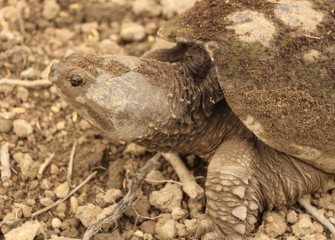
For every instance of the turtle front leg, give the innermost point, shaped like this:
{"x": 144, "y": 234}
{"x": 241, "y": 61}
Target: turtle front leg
{"x": 245, "y": 178}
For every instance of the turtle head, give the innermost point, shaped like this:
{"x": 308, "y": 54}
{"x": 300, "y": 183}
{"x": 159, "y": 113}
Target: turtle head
{"x": 123, "y": 96}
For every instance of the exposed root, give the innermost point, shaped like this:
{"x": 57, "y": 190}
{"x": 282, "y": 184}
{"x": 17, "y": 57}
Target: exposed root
{"x": 129, "y": 199}
{"x": 189, "y": 184}
{"x": 315, "y": 213}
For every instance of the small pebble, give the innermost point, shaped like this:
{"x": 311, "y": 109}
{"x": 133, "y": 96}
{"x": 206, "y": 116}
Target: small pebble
{"x": 60, "y": 125}
{"x": 177, "y": 213}
{"x": 22, "y": 128}
{"x": 62, "y": 190}
{"x": 46, "y": 201}
{"x": 22, "y": 93}
{"x": 167, "y": 231}
{"x": 61, "y": 208}
{"x": 56, "y": 223}
{"x": 74, "y": 204}
{"x": 29, "y": 73}
{"x": 148, "y": 227}
{"x": 6, "y": 125}
{"x": 292, "y": 217}
{"x": 181, "y": 230}
{"x": 87, "y": 214}
{"x": 50, "y": 9}
{"x": 167, "y": 198}
{"x": 173, "y": 7}
{"x": 146, "y": 8}
{"x": 112, "y": 195}
{"x": 132, "y": 32}
{"x": 54, "y": 170}
{"x": 275, "y": 225}
{"x": 28, "y": 167}
{"x": 191, "y": 225}
{"x": 26, "y": 211}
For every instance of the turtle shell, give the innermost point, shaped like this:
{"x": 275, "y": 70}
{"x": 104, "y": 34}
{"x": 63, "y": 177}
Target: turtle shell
{"x": 275, "y": 61}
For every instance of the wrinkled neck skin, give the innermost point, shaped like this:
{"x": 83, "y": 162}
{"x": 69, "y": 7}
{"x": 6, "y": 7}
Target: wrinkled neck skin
{"x": 206, "y": 119}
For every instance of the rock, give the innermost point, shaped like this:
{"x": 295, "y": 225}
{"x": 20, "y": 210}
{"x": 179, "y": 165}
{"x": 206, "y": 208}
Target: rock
{"x": 292, "y": 217}
{"x": 6, "y": 125}
{"x": 106, "y": 236}
{"x": 60, "y": 125}
{"x": 146, "y": 8}
{"x": 26, "y": 211}
{"x": 74, "y": 204}
{"x": 29, "y": 168}
{"x": 22, "y": 128}
{"x": 167, "y": 230}
{"x": 275, "y": 225}
{"x": 56, "y": 223}
{"x": 22, "y": 93}
{"x": 27, "y": 231}
{"x": 132, "y": 32}
{"x": 62, "y": 190}
{"x": 139, "y": 234}
{"x": 148, "y": 227}
{"x": 167, "y": 198}
{"x": 112, "y": 195}
{"x": 141, "y": 206}
{"x": 181, "y": 230}
{"x": 303, "y": 227}
{"x": 46, "y": 184}
{"x": 107, "y": 46}
{"x": 87, "y": 214}
{"x": 50, "y": 9}
{"x": 46, "y": 201}
{"x": 191, "y": 225}
{"x": 88, "y": 27}
{"x": 178, "y": 213}
{"x": 61, "y": 208}
{"x": 173, "y": 7}
{"x": 29, "y": 73}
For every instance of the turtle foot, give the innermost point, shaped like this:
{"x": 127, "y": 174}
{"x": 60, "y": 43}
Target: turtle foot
{"x": 208, "y": 230}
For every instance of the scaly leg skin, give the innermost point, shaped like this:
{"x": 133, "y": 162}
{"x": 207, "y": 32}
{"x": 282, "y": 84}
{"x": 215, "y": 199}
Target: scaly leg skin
{"x": 245, "y": 177}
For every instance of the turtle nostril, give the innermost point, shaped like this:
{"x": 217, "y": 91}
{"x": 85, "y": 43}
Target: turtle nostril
{"x": 76, "y": 80}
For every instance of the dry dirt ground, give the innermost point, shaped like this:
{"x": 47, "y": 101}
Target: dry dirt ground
{"x": 36, "y": 123}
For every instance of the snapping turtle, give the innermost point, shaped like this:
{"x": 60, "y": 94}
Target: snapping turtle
{"x": 250, "y": 86}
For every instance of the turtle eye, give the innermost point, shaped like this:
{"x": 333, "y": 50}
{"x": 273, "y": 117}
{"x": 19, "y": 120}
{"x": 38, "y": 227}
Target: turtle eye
{"x": 76, "y": 80}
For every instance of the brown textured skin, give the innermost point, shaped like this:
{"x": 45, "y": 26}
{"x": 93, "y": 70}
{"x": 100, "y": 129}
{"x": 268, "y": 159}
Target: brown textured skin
{"x": 176, "y": 104}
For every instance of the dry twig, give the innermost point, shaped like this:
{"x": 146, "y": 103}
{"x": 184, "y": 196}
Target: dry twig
{"x": 130, "y": 197}
{"x": 70, "y": 169}
{"x": 44, "y": 165}
{"x": 190, "y": 186}
{"x": 315, "y": 213}
{"x": 63, "y": 199}
{"x": 5, "y": 165}
{"x": 25, "y": 83}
